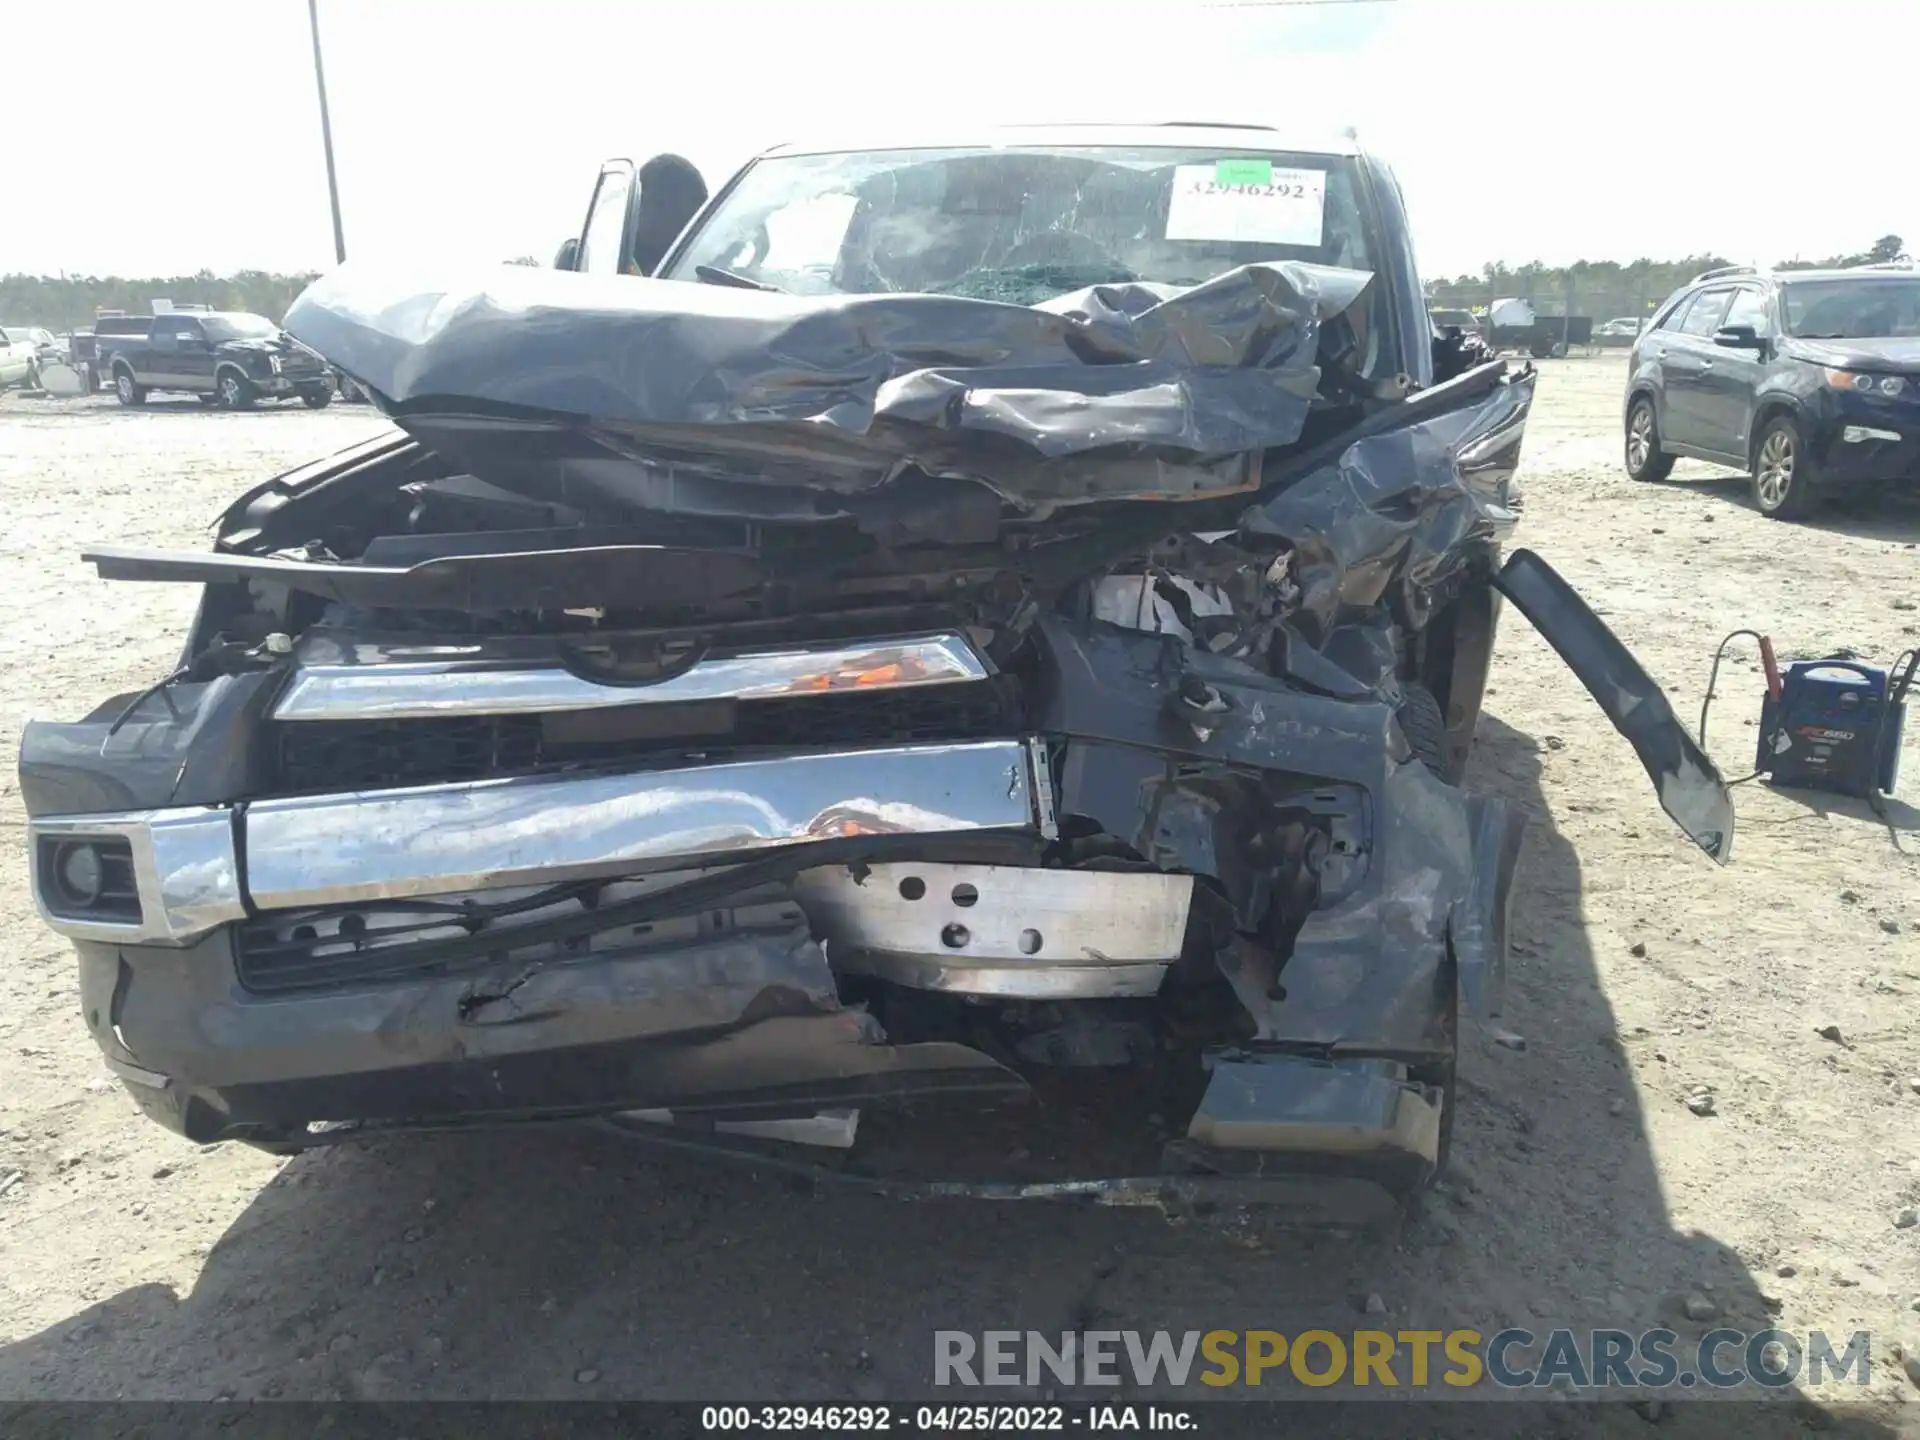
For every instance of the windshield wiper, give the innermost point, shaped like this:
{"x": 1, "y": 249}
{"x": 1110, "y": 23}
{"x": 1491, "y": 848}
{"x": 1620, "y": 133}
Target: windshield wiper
{"x": 714, "y": 275}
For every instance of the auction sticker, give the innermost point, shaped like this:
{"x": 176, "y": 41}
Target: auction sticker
{"x": 1247, "y": 200}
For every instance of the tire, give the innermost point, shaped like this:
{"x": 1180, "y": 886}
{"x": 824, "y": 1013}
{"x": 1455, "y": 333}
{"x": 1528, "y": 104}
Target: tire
{"x": 1425, "y": 727}
{"x": 316, "y": 399}
{"x": 1646, "y": 461}
{"x": 126, "y": 389}
{"x": 31, "y": 381}
{"x": 234, "y": 390}
{"x": 1786, "y": 475}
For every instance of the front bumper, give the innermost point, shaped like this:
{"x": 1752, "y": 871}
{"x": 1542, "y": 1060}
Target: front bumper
{"x": 1874, "y": 450}
{"x": 742, "y": 1013}
{"x": 286, "y": 383}
{"x": 732, "y": 1013}
{"x": 735, "y": 1030}
{"x": 199, "y": 867}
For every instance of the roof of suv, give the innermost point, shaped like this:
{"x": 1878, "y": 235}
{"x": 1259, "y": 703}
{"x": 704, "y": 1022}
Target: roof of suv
{"x": 1857, "y": 272}
{"x": 1798, "y": 277}
{"x": 1173, "y": 135}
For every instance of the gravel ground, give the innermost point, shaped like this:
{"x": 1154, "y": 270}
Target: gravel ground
{"x": 569, "y": 1264}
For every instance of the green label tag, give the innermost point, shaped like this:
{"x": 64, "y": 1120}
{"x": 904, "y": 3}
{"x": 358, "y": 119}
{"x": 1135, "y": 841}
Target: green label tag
{"x": 1243, "y": 172}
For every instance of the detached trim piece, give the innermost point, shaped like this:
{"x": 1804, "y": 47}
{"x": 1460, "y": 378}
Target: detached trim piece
{"x": 320, "y": 850}
{"x": 1691, "y": 789}
{"x": 424, "y": 689}
{"x": 610, "y": 575}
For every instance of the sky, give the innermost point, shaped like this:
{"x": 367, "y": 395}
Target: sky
{"x": 167, "y": 136}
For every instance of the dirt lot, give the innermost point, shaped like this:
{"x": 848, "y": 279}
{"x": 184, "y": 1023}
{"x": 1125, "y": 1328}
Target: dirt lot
{"x": 568, "y": 1264}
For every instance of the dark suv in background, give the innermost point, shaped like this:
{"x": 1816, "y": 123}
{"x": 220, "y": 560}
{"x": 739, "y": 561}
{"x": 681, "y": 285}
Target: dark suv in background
{"x": 1810, "y": 380}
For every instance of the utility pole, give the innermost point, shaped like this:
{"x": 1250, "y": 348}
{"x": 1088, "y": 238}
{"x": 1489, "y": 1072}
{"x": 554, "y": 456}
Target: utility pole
{"x": 326, "y": 133}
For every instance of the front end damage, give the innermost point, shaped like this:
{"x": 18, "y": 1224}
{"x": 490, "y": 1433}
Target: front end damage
{"x": 1005, "y": 750}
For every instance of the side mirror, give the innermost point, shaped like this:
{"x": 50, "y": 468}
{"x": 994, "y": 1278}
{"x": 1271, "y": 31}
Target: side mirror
{"x": 1738, "y": 337}
{"x": 568, "y": 257}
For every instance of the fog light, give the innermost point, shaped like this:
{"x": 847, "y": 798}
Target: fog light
{"x": 81, "y": 873}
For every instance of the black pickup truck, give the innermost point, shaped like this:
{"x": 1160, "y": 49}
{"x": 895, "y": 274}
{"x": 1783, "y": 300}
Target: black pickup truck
{"x": 225, "y": 357}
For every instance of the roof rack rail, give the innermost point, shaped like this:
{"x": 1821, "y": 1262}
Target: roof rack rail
{"x": 1886, "y": 265}
{"x": 1725, "y": 270}
{"x": 1215, "y": 124}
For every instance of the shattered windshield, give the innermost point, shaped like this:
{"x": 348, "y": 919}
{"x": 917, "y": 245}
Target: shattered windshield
{"x": 1024, "y": 225}
{"x": 1853, "y": 309}
{"x": 239, "y": 327}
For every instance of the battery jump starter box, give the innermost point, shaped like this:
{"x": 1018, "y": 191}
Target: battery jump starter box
{"x": 1834, "y": 727}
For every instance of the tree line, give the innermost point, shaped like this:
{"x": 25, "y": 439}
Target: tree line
{"x": 1604, "y": 289}
{"x": 1599, "y": 288}
{"x": 69, "y": 302}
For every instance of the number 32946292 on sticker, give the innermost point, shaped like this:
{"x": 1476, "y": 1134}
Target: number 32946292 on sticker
{"x": 1228, "y": 201}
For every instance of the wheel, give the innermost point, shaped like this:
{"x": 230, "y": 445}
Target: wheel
{"x": 1785, "y": 472}
{"x": 316, "y": 399}
{"x": 127, "y": 390}
{"x": 235, "y": 390}
{"x": 1425, "y": 727}
{"x": 1645, "y": 459}
{"x": 32, "y": 380}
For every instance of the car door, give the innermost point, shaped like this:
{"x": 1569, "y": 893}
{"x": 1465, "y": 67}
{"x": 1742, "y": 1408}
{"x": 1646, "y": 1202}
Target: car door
{"x": 604, "y": 236}
{"x": 159, "y": 367}
{"x": 194, "y": 357}
{"x": 1728, "y": 383}
{"x": 13, "y": 359}
{"x": 1687, "y": 357}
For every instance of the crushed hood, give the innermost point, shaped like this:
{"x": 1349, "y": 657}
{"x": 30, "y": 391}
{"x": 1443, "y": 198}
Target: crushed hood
{"x": 679, "y": 396}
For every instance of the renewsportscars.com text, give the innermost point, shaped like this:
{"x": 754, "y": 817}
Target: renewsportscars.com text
{"x": 1512, "y": 1359}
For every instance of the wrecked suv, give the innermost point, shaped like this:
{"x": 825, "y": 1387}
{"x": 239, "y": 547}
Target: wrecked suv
{"x": 969, "y": 669}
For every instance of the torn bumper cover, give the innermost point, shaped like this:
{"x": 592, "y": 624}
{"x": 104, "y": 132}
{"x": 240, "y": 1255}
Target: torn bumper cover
{"x": 740, "y": 1013}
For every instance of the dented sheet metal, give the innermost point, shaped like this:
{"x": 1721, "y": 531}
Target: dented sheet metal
{"x": 1115, "y": 391}
{"x": 1401, "y": 516}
